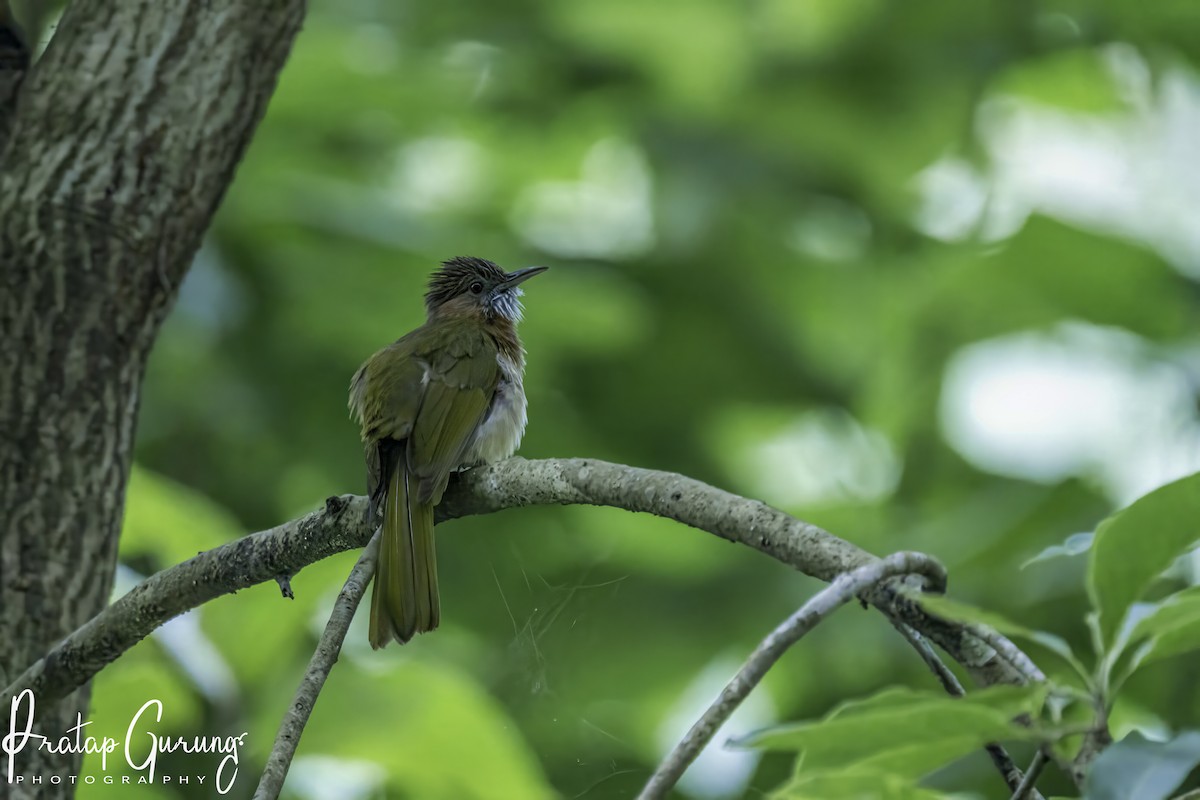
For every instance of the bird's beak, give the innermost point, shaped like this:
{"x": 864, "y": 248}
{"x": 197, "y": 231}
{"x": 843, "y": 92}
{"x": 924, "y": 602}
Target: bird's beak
{"x": 520, "y": 276}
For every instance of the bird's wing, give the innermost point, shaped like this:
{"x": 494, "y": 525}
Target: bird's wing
{"x": 385, "y": 394}
{"x": 386, "y": 391}
{"x": 462, "y": 377}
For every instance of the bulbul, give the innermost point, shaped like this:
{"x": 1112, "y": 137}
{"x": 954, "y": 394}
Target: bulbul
{"x": 446, "y": 396}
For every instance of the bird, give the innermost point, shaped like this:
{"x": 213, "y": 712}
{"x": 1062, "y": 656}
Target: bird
{"x": 444, "y": 397}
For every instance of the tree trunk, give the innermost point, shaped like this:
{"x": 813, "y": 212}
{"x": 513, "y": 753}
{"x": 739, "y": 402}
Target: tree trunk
{"x": 115, "y": 150}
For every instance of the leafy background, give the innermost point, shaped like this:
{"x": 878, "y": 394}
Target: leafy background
{"x": 924, "y": 275}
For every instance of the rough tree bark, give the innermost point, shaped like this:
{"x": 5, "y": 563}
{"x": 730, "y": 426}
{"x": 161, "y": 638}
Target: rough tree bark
{"x": 115, "y": 149}
{"x": 14, "y": 62}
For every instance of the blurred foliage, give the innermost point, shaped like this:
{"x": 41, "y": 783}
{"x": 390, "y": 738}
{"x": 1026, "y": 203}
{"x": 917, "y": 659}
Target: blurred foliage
{"x": 752, "y": 283}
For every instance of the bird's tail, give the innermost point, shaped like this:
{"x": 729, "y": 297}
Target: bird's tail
{"x": 405, "y": 599}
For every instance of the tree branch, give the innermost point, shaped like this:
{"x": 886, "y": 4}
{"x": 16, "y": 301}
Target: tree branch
{"x": 1026, "y": 788}
{"x": 1095, "y": 741}
{"x": 515, "y": 482}
{"x": 843, "y": 589}
{"x": 323, "y": 659}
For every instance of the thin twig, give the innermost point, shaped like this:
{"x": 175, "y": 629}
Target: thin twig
{"x": 1025, "y": 789}
{"x": 1008, "y": 651}
{"x": 1004, "y": 764}
{"x": 323, "y": 659}
{"x": 947, "y": 678}
{"x": 843, "y": 589}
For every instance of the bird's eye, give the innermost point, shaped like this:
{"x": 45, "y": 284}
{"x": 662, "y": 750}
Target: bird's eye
{"x": 476, "y": 287}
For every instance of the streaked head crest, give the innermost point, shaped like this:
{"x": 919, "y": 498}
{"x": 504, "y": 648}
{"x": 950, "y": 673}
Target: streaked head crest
{"x": 456, "y": 276}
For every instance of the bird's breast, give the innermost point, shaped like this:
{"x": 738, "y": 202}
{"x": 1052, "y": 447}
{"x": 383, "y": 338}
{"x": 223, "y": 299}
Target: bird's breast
{"x": 500, "y": 433}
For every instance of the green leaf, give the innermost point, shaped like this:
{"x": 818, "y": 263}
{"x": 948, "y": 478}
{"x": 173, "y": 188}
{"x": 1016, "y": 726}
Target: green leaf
{"x": 1136, "y": 767}
{"x": 1135, "y": 545}
{"x": 891, "y": 697}
{"x": 856, "y": 782}
{"x": 961, "y": 612}
{"x": 913, "y": 761}
{"x": 1171, "y": 629}
{"x": 905, "y": 732}
{"x": 1012, "y": 699}
{"x": 919, "y": 759}
{"x": 1073, "y": 545}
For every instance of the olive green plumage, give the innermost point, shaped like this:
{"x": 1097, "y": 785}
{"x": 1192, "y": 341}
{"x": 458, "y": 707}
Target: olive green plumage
{"x": 445, "y": 396}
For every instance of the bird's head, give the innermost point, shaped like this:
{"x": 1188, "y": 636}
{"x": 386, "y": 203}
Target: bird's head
{"x": 469, "y": 285}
